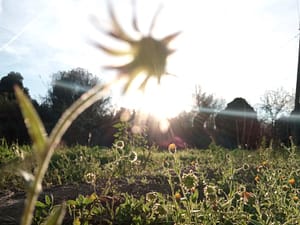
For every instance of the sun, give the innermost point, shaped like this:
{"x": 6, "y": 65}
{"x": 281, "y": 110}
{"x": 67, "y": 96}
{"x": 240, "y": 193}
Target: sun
{"x": 164, "y": 101}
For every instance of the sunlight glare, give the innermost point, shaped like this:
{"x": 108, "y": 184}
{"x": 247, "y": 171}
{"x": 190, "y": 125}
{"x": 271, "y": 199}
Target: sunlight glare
{"x": 162, "y": 101}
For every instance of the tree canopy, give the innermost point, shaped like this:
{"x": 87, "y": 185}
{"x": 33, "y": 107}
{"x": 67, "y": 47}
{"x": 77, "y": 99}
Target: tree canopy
{"x": 66, "y": 88}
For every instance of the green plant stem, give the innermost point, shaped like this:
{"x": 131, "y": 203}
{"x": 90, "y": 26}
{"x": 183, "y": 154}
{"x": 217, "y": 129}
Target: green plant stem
{"x": 85, "y": 101}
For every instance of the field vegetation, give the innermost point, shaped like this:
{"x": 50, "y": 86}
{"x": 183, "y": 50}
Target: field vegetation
{"x": 133, "y": 183}
{"x": 250, "y": 180}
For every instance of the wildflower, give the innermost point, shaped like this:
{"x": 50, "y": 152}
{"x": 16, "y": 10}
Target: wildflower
{"x": 292, "y": 181}
{"x": 133, "y": 156}
{"x": 265, "y": 164}
{"x": 90, "y": 178}
{"x": 193, "y": 163}
{"x": 296, "y": 198}
{"x": 257, "y": 178}
{"x": 285, "y": 188}
{"x": 189, "y": 180}
{"x": 149, "y": 55}
{"x": 119, "y": 145}
{"x": 151, "y": 196}
{"x": 177, "y": 196}
{"x": 210, "y": 192}
{"x": 228, "y": 157}
{"x": 246, "y": 196}
{"x": 159, "y": 209}
{"x": 242, "y": 188}
{"x": 246, "y": 166}
{"x": 166, "y": 163}
{"x": 172, "y": 148}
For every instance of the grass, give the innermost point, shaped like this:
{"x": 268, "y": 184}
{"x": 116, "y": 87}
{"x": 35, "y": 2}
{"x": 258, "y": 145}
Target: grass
{"x": 212, "y": 186}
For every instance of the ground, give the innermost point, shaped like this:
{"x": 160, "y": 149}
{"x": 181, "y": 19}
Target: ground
{"x": 12, "y": 202}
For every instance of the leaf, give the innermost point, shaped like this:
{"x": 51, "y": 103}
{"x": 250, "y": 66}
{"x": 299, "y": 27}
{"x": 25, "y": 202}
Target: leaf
{"x": 40, "y": 204}
{"x": 71, "y": 202}
{"x": 48, "y": 200}
{"x": 32, "y": 121}
{"x": 56, "y": 215}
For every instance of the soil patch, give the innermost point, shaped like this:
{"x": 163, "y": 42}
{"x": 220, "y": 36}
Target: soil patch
{"x": 12, "y": 203}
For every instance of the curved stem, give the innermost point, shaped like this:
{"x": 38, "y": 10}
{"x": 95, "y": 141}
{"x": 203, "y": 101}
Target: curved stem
{"x": 85, "y": 101}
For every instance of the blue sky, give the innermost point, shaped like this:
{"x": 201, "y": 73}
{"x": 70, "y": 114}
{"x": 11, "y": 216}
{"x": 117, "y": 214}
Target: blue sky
{"x": 233, "y": 48}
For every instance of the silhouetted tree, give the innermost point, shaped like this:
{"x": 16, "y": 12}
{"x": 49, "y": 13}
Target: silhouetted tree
{"x": 237, "y": 125}
{"x": 67, "y": 87}
{"x": 283, "y": 130}
{"x": 12, "y": 126}
{"x": 7, "y": 84}
{"x": 205, "y": 109}
{"x": 276, "y": 104}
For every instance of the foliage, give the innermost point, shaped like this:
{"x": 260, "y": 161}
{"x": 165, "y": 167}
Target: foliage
{"x": 237, "y": 125}
{"x": 67, "y": 87}
{"x": 12, "y": 126}
{"x": 8, "y": 82}
{"x": 275, "y": 104}
{"x": 214, "y": 196}
{"x": 213, "y": 186}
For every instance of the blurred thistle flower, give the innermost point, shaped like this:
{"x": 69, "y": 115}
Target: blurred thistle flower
{"x": 285, "y": 188}
{"x": 210, "y": 192}
{"x": 242, "y": 188}
{"x": 159, "y": 209}
{"x": 172, "y": 148}
{"x": 246, "y": 166}
{"x": 133, "y": 156}
{"x": 90, "y": 178}
{"x": 166, "y": 163}
{"x": 228, "y": 157}
{"x": 189, "y": 180}
{"x": 149, "y": 55}
{"x": 151, "y": 196}
{"x": 265, "y": 163}
{"x": 119, "y": 145}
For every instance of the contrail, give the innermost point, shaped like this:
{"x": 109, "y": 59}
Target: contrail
{"x": 18, "y": 34}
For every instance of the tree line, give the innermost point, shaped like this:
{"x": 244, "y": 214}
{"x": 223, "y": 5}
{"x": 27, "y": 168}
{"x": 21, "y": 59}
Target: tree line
{"x": 235, "y": 126}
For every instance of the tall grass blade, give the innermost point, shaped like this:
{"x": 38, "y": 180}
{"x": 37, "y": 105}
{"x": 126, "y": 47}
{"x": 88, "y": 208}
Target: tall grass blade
{"x": 33, "y": 123}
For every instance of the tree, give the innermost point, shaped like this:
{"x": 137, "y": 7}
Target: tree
{"x": 196, "y": 128}
{"x": 206, "y": 106}
{"x": 12, "y": 126}
{"x": 205, "y": 109}
{"x": 237, "y": 125}
{"x": 275, "y": 104}
{"x": 8, "y": 82}
{"x": 67, "y": 87}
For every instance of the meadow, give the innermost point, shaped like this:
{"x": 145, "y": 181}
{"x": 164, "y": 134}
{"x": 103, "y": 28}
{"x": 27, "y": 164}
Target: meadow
{"x": 133, "y": 183}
